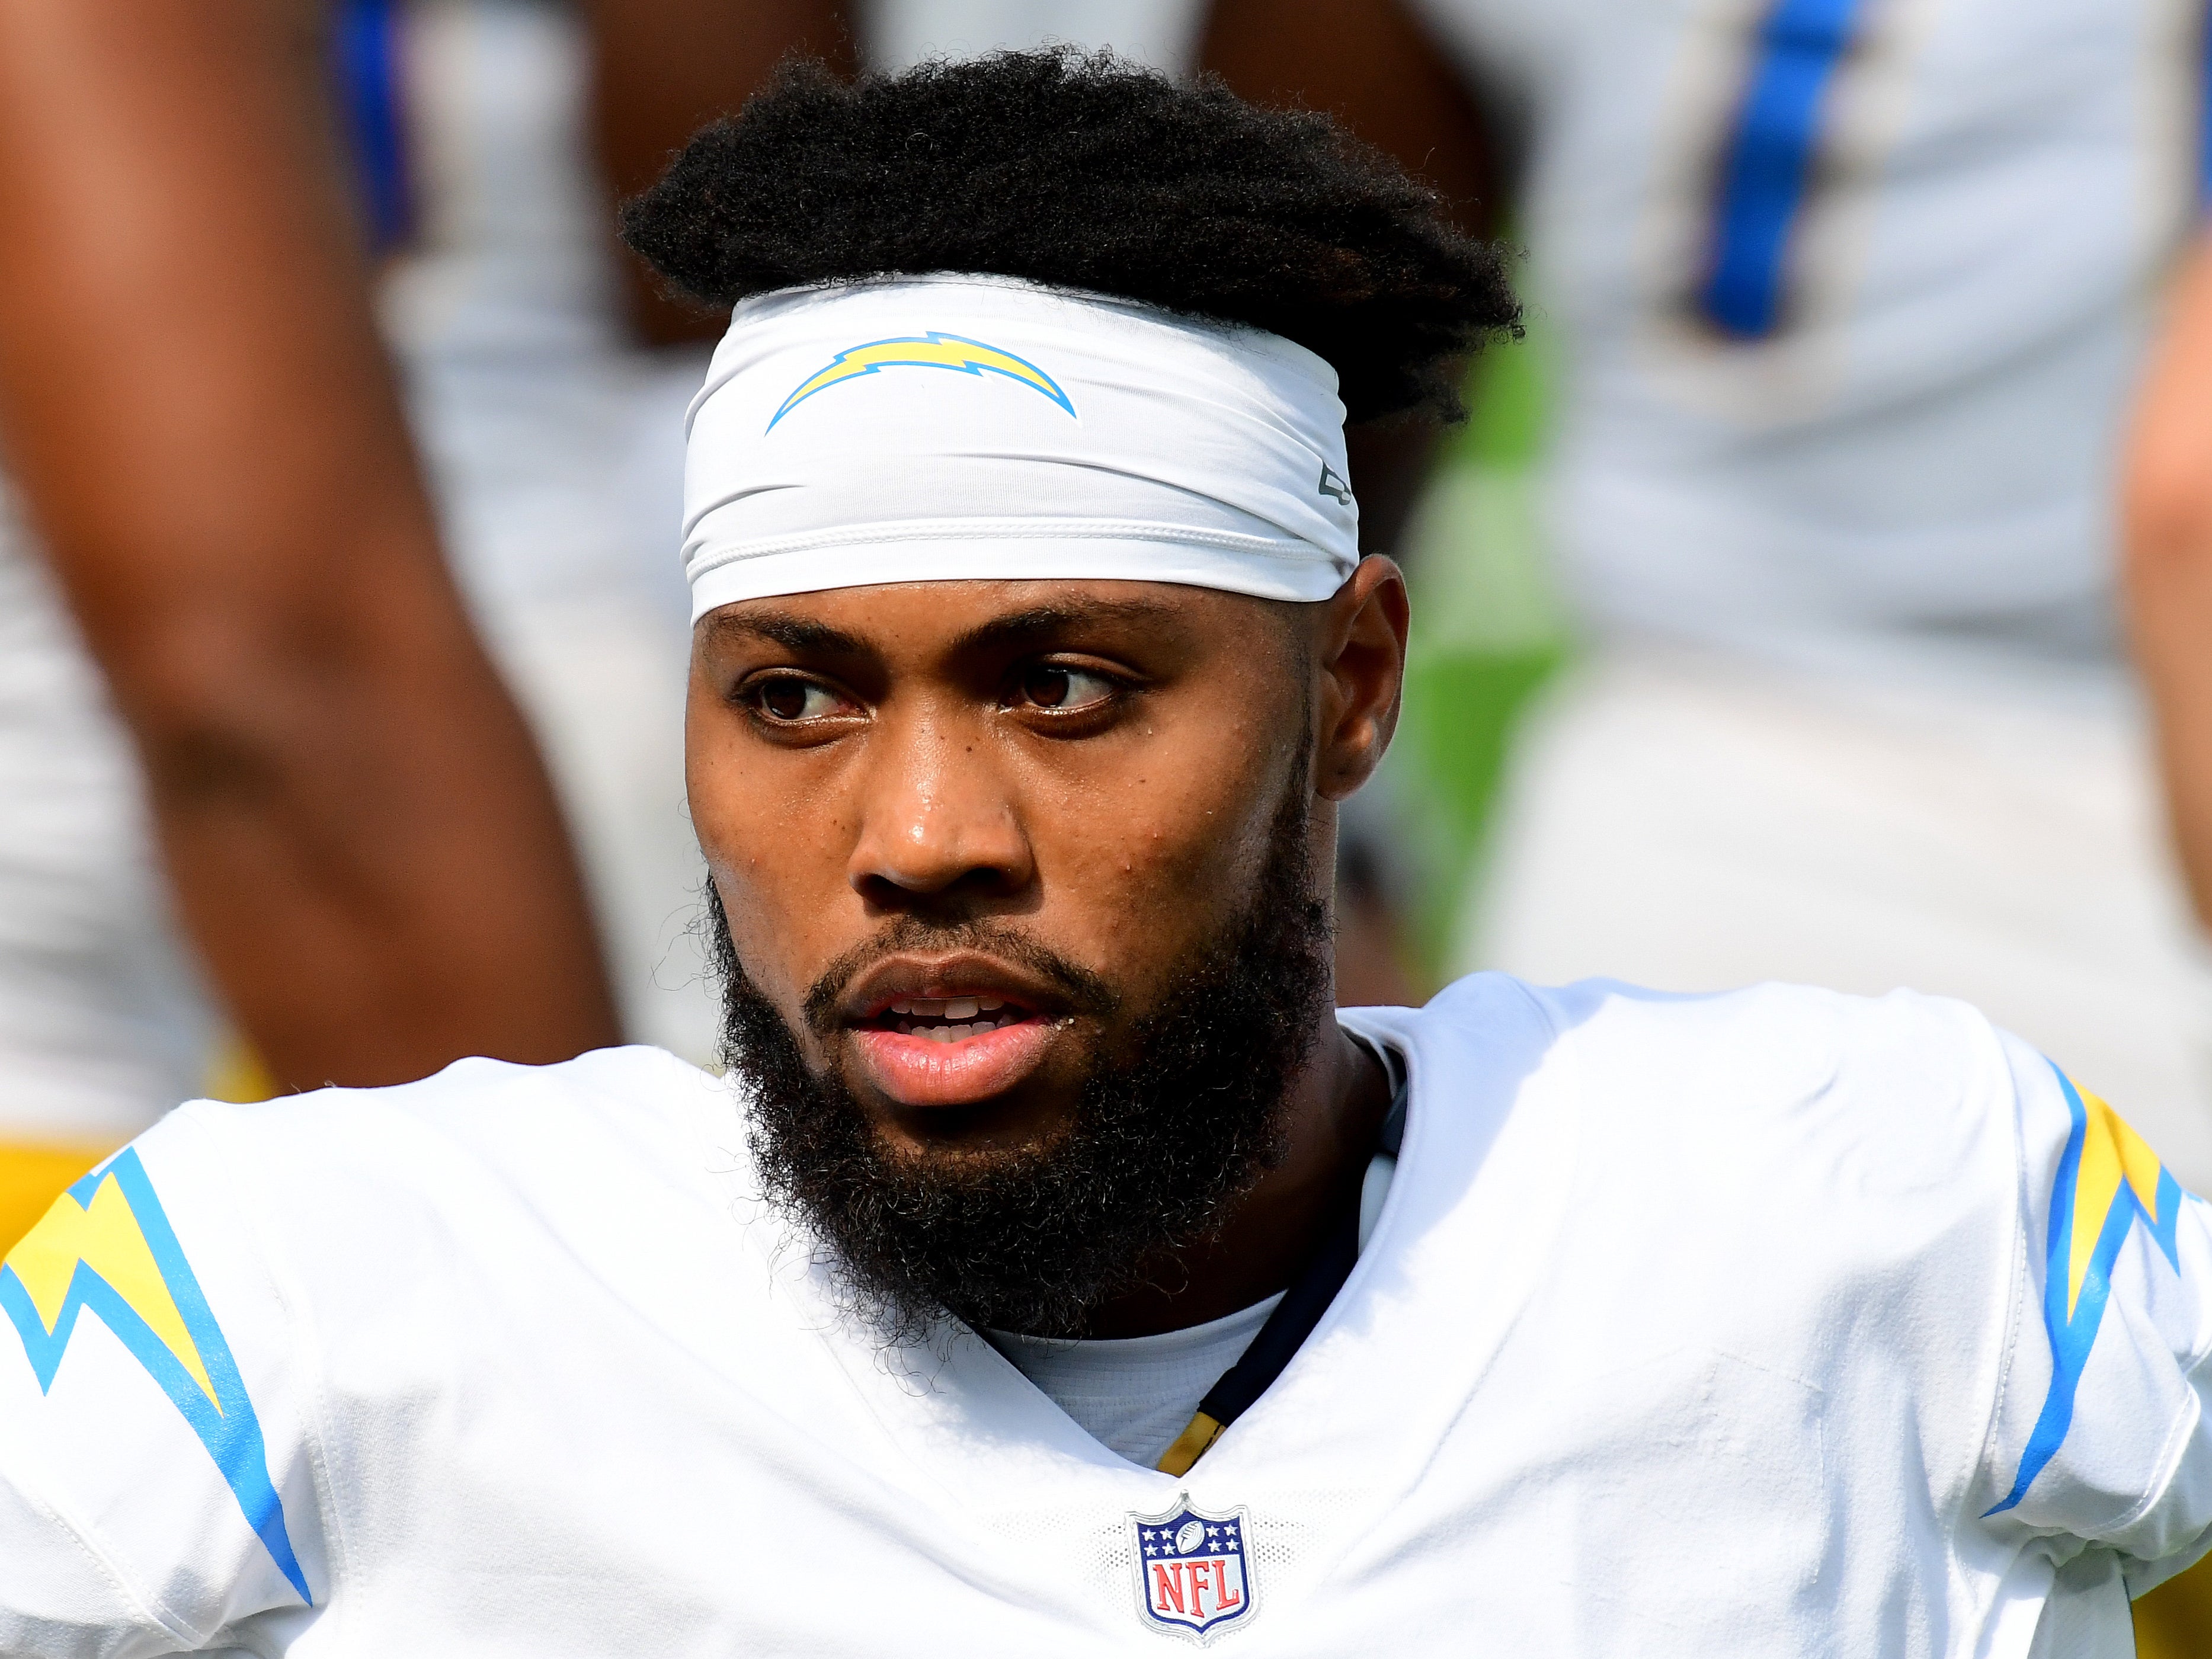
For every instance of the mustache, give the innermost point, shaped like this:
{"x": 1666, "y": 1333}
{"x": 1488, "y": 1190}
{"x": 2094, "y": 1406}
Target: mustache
{"x": 1085, "y": 991}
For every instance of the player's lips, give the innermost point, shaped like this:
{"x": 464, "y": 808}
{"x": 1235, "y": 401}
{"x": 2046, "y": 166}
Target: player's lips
{"x": 950, "y": 1031}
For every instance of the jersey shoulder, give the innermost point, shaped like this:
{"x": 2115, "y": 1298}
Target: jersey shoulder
{"x": 588, "y": 1159}
{"x": 528, "y": 1123}
{"x": 1715, "y": 1054}
{"x": 1756, "y": 1104}
{"x": 176, "y": 1336}
{"x": 1820, "y": 1187}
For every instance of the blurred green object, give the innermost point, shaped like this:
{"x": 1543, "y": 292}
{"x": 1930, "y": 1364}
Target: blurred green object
{"x": 1510, "y": 398}
{"x": 1488, "y": 632}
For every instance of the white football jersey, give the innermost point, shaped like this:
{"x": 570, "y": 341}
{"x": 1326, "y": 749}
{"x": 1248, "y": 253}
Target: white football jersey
{"x": 1776, "y": 1322}
{"x": 1850, "y": 292}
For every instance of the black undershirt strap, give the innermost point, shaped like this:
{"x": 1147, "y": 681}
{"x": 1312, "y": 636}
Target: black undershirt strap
{"x": 1292, "y": 1321}
{"x": 1287, "y": 1327}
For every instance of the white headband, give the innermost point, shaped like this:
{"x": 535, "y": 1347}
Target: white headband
{"x": 1081, "y": 437}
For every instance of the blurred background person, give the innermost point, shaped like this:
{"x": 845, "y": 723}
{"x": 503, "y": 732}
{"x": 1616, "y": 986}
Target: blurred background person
{"x": 253, "y": 563}
{"x": 1850, "y": 299}
{"x": 230, "y": 632}
{"x": 2168, "y": 563}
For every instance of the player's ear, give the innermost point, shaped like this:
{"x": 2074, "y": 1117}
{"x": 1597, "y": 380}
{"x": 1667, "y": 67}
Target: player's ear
{"x": 1362, "y": 637}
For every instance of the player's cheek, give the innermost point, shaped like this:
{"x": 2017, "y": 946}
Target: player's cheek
{"x": 1150, "y": 853}
{"x": 785, "y": 892}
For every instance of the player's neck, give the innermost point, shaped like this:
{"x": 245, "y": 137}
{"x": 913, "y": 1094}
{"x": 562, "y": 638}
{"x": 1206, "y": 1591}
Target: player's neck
{"x": 1336, "y": 1109}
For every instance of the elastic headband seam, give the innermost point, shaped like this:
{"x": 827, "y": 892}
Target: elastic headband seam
{"x": 1288, "y": 549}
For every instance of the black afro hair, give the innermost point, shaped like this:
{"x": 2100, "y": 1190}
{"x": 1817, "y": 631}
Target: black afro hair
{"x": 1086, "y": 172}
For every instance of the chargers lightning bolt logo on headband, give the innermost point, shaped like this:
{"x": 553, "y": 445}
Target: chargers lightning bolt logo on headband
{"x": 930, "y": 351}
{"x": 107, "y": 1246}
{"x": 2108, "y": 1180}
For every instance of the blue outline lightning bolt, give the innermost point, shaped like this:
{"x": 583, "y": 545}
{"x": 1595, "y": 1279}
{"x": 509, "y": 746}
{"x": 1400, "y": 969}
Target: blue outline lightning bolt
{"x": 930, "y": 351}
{"x": 107, "y": 1247}
{"x": 2107, "y": 1182}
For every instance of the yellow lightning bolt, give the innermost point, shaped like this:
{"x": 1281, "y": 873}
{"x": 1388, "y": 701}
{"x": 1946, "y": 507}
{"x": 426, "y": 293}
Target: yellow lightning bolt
{"x": 930, "y": 350}
{"x": 2111, "y": 1152}
{"x": 105, "y": 1237}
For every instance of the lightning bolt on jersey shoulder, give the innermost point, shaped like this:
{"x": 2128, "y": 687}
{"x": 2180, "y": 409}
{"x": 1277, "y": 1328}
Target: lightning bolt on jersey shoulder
{"x": 143, "y": 1385}
{"x": 2112, "y": 1327}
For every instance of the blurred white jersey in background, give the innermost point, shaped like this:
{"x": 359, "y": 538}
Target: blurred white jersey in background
{"x": 894, "y": 34}
{"x": 1851, "y": 293}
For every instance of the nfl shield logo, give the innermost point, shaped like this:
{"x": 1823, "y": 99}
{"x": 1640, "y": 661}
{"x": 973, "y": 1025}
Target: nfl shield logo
{"x": 1193, "y": 1575}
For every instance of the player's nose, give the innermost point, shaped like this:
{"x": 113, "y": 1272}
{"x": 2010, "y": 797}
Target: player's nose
{"x": 937, "y": 819}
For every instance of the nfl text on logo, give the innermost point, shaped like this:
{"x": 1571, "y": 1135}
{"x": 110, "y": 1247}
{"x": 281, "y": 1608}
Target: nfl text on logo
{"x": 1193, "y": 1575}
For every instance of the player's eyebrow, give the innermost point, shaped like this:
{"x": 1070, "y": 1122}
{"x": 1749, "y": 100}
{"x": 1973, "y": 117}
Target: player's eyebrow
{"x": 1022, "y": 627}
{"x": 793, "y": 633}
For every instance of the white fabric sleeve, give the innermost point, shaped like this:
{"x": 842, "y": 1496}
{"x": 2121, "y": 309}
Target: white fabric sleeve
{"x": 2101, "y": 1436}
{"x": 156, "y": 1476}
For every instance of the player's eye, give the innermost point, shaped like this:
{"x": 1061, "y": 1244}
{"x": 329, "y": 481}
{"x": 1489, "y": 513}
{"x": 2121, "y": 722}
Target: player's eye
{"x": 1061, "y": 688}
{"x": 787, "y": 698}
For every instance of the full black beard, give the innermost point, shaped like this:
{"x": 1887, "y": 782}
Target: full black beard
{"x": 1163, "y": 1141}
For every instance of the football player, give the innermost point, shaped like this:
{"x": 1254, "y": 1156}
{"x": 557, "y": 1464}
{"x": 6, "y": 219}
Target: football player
{"x": 1056, "y": 1271}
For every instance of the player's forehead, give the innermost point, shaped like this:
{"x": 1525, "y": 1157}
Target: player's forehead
{"x": 935, "y": 618}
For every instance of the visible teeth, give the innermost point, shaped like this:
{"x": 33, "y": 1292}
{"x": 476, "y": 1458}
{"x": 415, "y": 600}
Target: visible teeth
{"x": 961, "y": 1016}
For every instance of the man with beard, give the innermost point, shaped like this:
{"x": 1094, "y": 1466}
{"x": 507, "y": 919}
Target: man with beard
{"x": 1063, "y": 1276}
